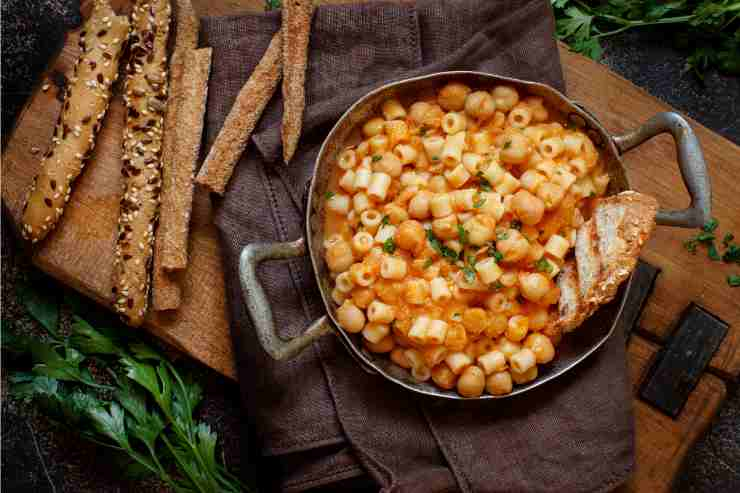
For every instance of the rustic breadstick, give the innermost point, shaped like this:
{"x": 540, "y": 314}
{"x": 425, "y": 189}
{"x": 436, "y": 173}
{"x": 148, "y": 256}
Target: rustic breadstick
{"x": 145, "y": 95}
{"x": 234, "y": 135}
{"x": 85, "y": 103}
{"x": 177, "y": 196}
{"x": 296, "y": 29}
{"x": 166, "y": 292}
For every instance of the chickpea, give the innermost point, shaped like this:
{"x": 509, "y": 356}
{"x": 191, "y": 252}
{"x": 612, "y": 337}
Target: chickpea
{"x": 471, "y": 382}
{"x": 551, "y": 194}
{"x": 479, "y": 104}
{"x": 390, "y": 164}
{"x": 512, "y": 245}
{"x": 475, "y": 320}
{"x": 373, "y": 127}
{"x": 396, "y": 214}
{"x": 499, "y": 383}
{"x": 505, "y": 97}
{"x": 538, "y": 318}
{"x": 418, "y": 111}
{"x": 526, "y": 377}
{"x": 339, "y": 256}
{"x": 351, "y": 318}
{"x": 446, "y": 227}
{"x": 518, "y": 327}
{"x": 541, "y": 346}
{"x": 443, "y": 377}
{"x": 411, "y": 236}
{"x": 527, "y": 207}
{"x": 362, "y": 297}
{"x": 551, "y": 297}
{"x": 533, "y": 286}
{"x": 516, "y": 148}
{"x": 497, "y": 325}
{"x": 452, "y": 96}
{"x": 398, "y": 356}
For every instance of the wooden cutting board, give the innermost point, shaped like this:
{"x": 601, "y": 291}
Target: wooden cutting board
{"x": 79, "y": 252}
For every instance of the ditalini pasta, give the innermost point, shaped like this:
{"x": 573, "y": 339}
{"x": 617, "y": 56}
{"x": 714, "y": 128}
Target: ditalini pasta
{"x": 446, "y": 225}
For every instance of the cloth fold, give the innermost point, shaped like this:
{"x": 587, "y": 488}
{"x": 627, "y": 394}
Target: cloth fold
{"x": 319, "y": 418}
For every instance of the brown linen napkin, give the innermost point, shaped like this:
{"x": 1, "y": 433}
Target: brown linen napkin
{"x": 319, "y": 418}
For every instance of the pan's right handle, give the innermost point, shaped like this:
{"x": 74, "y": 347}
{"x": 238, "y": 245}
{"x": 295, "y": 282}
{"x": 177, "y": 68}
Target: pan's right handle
{"x": 259, "y": 306}
{"x": 690, "y": 161}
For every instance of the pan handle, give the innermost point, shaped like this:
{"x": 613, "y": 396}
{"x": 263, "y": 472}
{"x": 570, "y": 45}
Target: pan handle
{"x": 690, "y": 161}
{"x": 259, "y": 306}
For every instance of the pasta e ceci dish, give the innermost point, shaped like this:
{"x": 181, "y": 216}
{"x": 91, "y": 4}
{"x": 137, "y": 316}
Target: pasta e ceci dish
{"x": 446, "y": 224}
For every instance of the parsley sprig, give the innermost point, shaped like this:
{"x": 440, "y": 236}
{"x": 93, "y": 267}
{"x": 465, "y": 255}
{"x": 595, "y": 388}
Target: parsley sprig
{"x": 706, "y": 29}
{"x": 707, "y": 237}
{"x": 445, "y": 251}
{"x": 142, "y": 407}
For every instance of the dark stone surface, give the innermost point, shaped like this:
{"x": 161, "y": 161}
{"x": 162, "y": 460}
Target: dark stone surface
{"x": 38, "y": 457}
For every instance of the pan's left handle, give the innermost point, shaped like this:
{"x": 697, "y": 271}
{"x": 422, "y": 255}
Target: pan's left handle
{"x": 259, "y": 306}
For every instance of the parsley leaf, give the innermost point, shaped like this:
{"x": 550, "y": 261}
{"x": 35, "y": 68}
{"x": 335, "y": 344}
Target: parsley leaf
{"x": 542, "y": 265}
{"x": 503, "y": 235}
{"x": 507, "y": 144}
{"x": 733, "y": 280}
{"x": 389, "y": 246}
{"x": 329, "y": 195}
{"x": 728, "y": 239}
{"x": 516, "y": 224}
{"x": 423, "y": 131}
{"x": 469, "y": 273}
{"x": 710, "y": 225}
{"x": 462, "y": 234}
{"x": 732, "y": 254}
{"x": 492, "y": 252}
{"x": 385, "y": 221}
{"x": 497, "y": 285}
{"x": 445, "y": 251}
{"x": 428, "y": 263}
{"x": 713, "y": 253}
{"x": 377, "y": 158}
{"x": 483, "y": 182}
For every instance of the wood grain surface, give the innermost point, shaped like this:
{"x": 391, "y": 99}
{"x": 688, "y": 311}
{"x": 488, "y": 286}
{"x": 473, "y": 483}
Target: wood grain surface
{"x": 79, "y": 252}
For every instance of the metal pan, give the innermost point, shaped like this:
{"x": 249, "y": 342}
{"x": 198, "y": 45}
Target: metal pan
{"x": 575, "y": 347}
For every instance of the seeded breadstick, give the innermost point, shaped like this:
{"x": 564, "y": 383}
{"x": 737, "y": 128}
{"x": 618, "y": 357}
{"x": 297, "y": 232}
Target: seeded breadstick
{"x": 177, "y": 195}
{"x": 145, "y": 95}
{"x": 243, "y": 117}
{"x": 296, "y": 28}
{"x": 166, "y": 292}
{"x": 85, "y": 103}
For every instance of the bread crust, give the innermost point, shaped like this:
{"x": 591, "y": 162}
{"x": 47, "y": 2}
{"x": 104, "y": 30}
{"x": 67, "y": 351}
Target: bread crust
{"x": 296, "y": 29}
{"x": 634, "y": 214}
{"x": 145, "y": 95}
{"x": 242, "y": 119}
{"x": 86, "y": 102}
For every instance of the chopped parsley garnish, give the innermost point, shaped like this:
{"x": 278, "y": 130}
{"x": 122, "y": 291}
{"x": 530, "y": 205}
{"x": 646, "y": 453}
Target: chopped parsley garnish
{"x": 329, "y": 195}
{"x": 733, "y": 280}
{"x": 516, "y": 224}
{"x": 386, "y": 220}
{"x": 446, "y": 252}
{"x": 710, "y": 225}
{"x": 503, "y": 235}
{"x": 469, "y": 273}
{"x": 428, "y": 263}
{"x": 542, "y": 265}
{"x": 377, "y": 158}
{"x": 483, "y": 182}
{"x": 423, "y": 130}
{"x": 472, "y": 260}
{"x": 732, "y": 254}
{"x": 492, "y": 252}
{"x": 389, "y": 246}
{"x": 507, "y": 144}
{"x": 728, "y": 239}
{"x": 462, "y": 234}
{"x": 478, "y": 201}
{"x": 435, "y": 158}
{"x": 713, "y": 253}
{"x": 497, "y": 285}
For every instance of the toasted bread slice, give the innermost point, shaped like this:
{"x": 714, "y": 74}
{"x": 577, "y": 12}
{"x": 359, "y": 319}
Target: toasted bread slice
{"x": 624, "y": 222}
{"x": 569, "y": 307}
{"x": 606, "y": 251}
